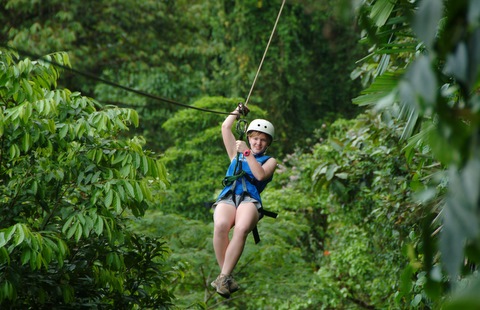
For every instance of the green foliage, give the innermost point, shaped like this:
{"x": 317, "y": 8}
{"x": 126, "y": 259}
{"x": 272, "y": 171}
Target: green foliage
{"x": 185, "y": 50}
{"x": 367, "y": 236}
{"x": 264, "y": 271}
{"x": 339, "y": 246}
{"x": 364, "y": 185}
{"x": 68, "y": 184}
{"x": 436, "y": 96}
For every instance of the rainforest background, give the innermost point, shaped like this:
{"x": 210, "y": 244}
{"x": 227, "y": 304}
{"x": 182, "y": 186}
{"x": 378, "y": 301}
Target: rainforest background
{"x": 106, "y": 180}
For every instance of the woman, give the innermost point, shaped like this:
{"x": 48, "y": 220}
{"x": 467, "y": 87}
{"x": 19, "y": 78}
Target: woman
{"x": 239, "y": 204}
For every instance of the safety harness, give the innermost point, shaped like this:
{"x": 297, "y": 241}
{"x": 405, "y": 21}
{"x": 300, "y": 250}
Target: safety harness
{"x": 239, "y": 173}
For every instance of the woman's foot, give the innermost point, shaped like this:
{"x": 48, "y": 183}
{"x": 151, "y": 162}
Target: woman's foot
{"x": 225, "y": 285}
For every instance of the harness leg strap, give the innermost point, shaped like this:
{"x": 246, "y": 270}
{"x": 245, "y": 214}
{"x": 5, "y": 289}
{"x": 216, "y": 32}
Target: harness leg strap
{"x": 269, "y": 213}
{"x": 256, "y": 236}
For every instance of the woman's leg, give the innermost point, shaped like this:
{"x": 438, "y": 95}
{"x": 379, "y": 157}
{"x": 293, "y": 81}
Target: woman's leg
{"x": 245, "y": 220}
{"x": 224, "y": 219}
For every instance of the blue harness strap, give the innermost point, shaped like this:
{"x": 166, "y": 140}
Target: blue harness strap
{"x": 238, "y": 173}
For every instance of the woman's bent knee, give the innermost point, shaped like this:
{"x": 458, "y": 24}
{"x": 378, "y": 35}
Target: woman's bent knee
{"x": 241, "y": 231}
{"x": 221, "y": 227}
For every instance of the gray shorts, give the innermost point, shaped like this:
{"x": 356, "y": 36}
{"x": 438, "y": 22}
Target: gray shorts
{"x": 228, "y": 200}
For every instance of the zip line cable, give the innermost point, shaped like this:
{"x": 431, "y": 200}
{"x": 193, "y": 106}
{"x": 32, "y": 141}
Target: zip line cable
{"x": 102, "y": 80}
{"x": 145, "y": 94}
{"x": 265, "y": 53}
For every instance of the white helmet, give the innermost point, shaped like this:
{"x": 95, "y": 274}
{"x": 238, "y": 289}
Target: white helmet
{"x": 262, "y": 125}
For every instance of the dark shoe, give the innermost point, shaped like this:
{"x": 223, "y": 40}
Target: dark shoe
{"x": 215, "y": 282}
{"x": 233, "y": 285}
{"x": 222, "y": 284}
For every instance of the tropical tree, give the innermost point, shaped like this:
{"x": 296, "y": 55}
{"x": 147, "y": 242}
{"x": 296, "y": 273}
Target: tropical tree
{"x": 366, "y": 187}
{"x": 425, "y": 71}
{"x": 185, "y": 50}
{"x": 69, "y": 183}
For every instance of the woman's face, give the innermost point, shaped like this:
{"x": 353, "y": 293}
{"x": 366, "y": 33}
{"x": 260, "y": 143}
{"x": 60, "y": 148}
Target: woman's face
{"x": 258, "y": 142}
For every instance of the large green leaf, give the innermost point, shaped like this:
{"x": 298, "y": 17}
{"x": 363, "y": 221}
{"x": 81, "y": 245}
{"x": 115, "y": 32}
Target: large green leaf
{"x": 382, "y": 87}
{"x": 457, "y": 63}
{"x": 426, "y": 21}
{"x": 381, "y": 11}
{"x": 422, "y": 78}
{"x": 460, "y": 220}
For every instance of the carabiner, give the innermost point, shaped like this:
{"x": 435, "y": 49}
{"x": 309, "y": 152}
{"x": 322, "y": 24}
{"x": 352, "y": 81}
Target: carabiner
{"x": 241, "y": 131}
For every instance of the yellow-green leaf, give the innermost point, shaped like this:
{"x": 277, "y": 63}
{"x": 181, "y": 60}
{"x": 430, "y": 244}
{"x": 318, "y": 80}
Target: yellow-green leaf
{"x": 130, "y": 189}
{"x": 19, "y": 234}
{"x": 78, "y": 233}
{"x": 63, "y": 131}
{"x": 146, "y": 190}
{"x": 98, "y": 227}
{"x": 25, "y": 256}
{"x": 108, "y": 198}
{"x": 26, "y": 141}
{"x": 72, "y": 230}
{"x": 67, "y": 224}
{"x": 138, "y": 192}
{"x": 117, "y": 203}
{"x": 27, "y": 87}
{"x": 14, "y": 151}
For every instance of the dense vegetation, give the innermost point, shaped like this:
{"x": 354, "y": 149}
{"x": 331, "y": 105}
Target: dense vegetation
{"x": 184, "y": 50}
{"x": 105, "y": 194}
{"x": 68, "y": 187}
